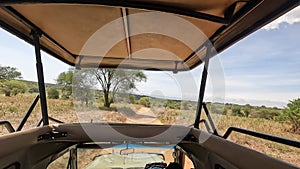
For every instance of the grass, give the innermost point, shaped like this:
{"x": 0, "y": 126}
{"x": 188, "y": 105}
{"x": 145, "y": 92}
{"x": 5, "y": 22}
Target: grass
{"x": 14, "y": 108}
{"x": 280, "y": 151}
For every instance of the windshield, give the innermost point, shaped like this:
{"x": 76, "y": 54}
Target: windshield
{"x": 130, "y": 161}
{"x": 125, "y": 156}
{"x": 135, "y": 96}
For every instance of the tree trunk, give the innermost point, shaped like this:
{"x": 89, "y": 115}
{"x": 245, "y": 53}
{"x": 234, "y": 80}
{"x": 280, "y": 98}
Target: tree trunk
{"x": 86, "y": 101}
{"x": 106, "y": 100}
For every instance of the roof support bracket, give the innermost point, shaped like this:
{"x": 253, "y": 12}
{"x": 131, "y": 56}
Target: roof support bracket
{"x": 40, "y": 73}
{"x": 52, "y": 135}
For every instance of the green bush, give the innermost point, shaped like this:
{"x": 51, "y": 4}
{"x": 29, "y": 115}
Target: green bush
{"x": 246, "y": 110}
{"x": 101, "y": 99}
{"x": 33, "y": 90}
{"x": 225, "y": 110}
{"x": 13, "y": 87}
{"x": 13, "y": 109}
{"x": 236, "y": 110}
{"x": 292, "y": 114}
{"x": 145, "y": 101}
{"x": 53, "y": 93}
{"x": 132, "y": 99}
{"x": 267, "y": 113}
{"x": 173, "y": 104}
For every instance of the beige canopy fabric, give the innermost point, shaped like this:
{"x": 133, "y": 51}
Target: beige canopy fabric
{"x": 140, "y": 34}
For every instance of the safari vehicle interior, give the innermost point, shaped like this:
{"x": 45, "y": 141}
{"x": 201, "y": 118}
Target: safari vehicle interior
{"x": 63, "y": 28}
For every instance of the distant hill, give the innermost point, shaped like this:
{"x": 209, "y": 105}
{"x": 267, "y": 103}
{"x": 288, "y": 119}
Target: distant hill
{"x": 32, "y": 84}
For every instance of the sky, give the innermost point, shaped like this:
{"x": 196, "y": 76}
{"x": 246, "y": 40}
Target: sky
{"x": 264, "y": 68}
{"x": 261, "y": 69}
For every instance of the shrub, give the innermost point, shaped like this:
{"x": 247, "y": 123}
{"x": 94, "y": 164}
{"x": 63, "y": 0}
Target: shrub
{"x": 172, "y": 104}
{"x": 247, "y": 110}
{"x": 267, "y": 113}
{"x": 292, "y": 114}
{"x": 236, "y": 110}
{"x": 53, "y": 93}
{"x": 13, "y": 87}
{"x": 225, "y": 110}
{"x": 13, "y": 109}
{"x": 33, "y": 90}
{"x": 145, "y": 101}
{"x": 132, "y": 99}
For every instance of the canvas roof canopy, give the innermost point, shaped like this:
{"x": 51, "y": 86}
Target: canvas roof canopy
{"x": 114, "y": 33}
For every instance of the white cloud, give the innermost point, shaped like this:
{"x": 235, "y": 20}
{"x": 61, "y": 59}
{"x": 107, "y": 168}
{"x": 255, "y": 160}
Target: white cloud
{"x": 291, "y": 17}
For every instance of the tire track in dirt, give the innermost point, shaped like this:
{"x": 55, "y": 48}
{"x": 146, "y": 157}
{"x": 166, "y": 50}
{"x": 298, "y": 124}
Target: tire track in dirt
{"x": 143, "y": 115}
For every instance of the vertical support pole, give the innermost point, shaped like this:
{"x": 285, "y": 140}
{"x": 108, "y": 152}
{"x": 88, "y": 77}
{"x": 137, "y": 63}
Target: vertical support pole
{"x": 202, "y": 85}
{"x": 73, "y": 159}
{"x": 40, "y": 73}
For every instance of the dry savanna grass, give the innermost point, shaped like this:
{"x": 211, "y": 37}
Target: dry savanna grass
{"x": 280, "y": 151}
{"x": 14, "y": 108}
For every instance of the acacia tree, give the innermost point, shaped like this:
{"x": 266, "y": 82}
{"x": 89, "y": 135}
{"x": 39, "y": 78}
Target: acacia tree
{"x": 65, "y": 80}
{"x": 113, "y": 81}
{"x": 8, "y": 85}
{"x": 83, "y": 86}
{"x": 8, "y": 73}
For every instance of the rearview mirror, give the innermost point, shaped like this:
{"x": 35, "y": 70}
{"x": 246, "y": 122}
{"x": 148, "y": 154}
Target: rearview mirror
{"x": 126, "y": 151}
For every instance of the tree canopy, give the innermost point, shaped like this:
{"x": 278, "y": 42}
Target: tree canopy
{"x": 117, "y": 80}
{"x": 83, "y": 84}
{"x": 8, "y": 73}
{"x": 65, "y": 80}
{"x": 111, "y": 82}
{"x": 292, "y": 114}
{"x": 8, "y": 85}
